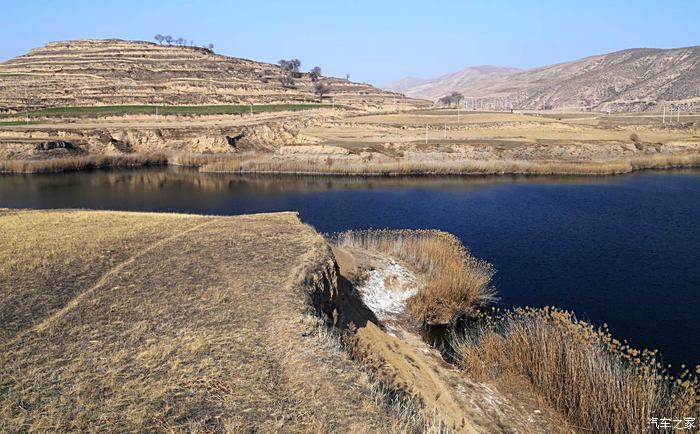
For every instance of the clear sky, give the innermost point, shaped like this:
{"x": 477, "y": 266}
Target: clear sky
{"x": 374, "y": 41}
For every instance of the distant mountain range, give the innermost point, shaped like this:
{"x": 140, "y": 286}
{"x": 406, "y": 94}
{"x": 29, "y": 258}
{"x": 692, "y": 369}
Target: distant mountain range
{"x": 628, "y": 80}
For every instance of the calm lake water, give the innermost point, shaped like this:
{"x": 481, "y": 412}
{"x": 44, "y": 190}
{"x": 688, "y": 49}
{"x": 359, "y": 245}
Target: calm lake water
{"x": 618, "y": 250}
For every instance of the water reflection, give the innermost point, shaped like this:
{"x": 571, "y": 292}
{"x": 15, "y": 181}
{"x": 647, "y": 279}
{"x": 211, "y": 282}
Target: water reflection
{"x": 189, "y": 180}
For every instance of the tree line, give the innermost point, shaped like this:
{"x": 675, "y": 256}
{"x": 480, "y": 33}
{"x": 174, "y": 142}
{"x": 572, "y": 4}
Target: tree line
{"x": 179, "y": 41}
{"x": 291, "y": 68}
{"x": 452, "y": 99}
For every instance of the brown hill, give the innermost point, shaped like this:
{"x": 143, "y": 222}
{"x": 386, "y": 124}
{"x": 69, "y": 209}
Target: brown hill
{"x": 116, "y": 72}
{"x": 634, "y": 79}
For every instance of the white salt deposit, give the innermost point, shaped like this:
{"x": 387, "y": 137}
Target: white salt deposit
{"x": 386, "y": 289}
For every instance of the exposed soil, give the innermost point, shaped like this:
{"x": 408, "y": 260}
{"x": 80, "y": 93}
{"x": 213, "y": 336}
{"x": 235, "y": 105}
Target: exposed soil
{"x": 393, "y": 349}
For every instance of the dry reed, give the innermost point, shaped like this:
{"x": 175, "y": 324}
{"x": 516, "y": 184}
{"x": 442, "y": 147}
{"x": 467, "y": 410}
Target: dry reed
{"x": 270, "y": 163}
{"x": 455, "y": 281}
{"x": 197, "y": 160}
{"x": 599, "y": 383}
{"x": 344, "y": 166}
{"x": 81, "y": 163}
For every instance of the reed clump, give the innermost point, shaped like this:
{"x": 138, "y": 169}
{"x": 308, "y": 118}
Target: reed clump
{"x": 197, "y": 160}
{"x": 455, "y": 281}
{"x": 264, "y": 163}
{"x": 82, "y": 163}
{"x": 598, "y": 382}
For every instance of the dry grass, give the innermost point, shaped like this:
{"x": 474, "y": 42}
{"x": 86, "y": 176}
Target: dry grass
{"x": 401, "y": 167}
{"x": 48, "y": 258}
{"x": 599, "y": 383}
{"x": 272, "y": 164}
{"x": 455, "y": 281}
{"x": 196, "y": 160}
{"x": 82, "y": 163}
{"x": 445, "y": 127}
{"x": 145, "y": 322}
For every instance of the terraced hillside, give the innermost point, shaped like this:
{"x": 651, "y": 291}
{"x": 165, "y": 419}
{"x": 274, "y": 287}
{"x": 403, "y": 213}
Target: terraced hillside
{"x": 118, "y": 72}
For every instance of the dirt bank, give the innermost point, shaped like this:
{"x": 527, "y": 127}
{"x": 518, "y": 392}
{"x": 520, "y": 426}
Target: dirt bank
{"x": 383, "y": 338}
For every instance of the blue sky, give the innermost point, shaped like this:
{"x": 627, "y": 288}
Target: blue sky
{"x": 374, "y": 41}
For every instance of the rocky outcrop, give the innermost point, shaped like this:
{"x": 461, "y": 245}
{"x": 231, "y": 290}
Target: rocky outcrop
{"x": 32, "y": 144}
{"x": 322, "y": 288}
{"x": 54, "y": 144}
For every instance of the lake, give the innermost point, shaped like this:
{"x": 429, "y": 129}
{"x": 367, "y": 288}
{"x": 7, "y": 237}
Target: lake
{"x": 619, "y": 250}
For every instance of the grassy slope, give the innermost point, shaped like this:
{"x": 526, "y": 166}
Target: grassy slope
{"x": 152, "y": 322}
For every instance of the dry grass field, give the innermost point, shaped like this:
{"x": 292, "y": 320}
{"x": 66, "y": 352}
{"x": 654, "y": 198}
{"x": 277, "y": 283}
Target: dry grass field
{"x": 136, "y": 322}
{"x": 447, "y": 127}
{"x": 328, "y": 141}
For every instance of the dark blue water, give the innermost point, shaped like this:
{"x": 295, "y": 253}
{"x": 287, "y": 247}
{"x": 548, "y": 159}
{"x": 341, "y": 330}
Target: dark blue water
{"x": 618, "y": 250}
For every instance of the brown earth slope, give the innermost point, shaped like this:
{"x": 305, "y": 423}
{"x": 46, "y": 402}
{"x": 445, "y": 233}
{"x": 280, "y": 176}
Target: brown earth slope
{"x": 118, "y": 72}
{"x": 628, "y": 80}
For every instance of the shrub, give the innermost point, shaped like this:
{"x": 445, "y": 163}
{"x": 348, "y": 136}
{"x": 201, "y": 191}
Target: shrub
{"x": 598, "y": 382}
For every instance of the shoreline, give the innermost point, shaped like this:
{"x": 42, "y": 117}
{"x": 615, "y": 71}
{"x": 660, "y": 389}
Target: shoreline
{"x": 264, "y": 165}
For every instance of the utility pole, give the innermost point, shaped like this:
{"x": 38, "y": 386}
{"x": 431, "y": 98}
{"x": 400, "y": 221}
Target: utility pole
{"x": 678, "y": 116}
{"x": 444, "y": 136}
{"x": 458, "y": 122}
{"x": 663, "y": 119}
{"x": 426, "y": 134}
{"x": 251, "y": 108}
